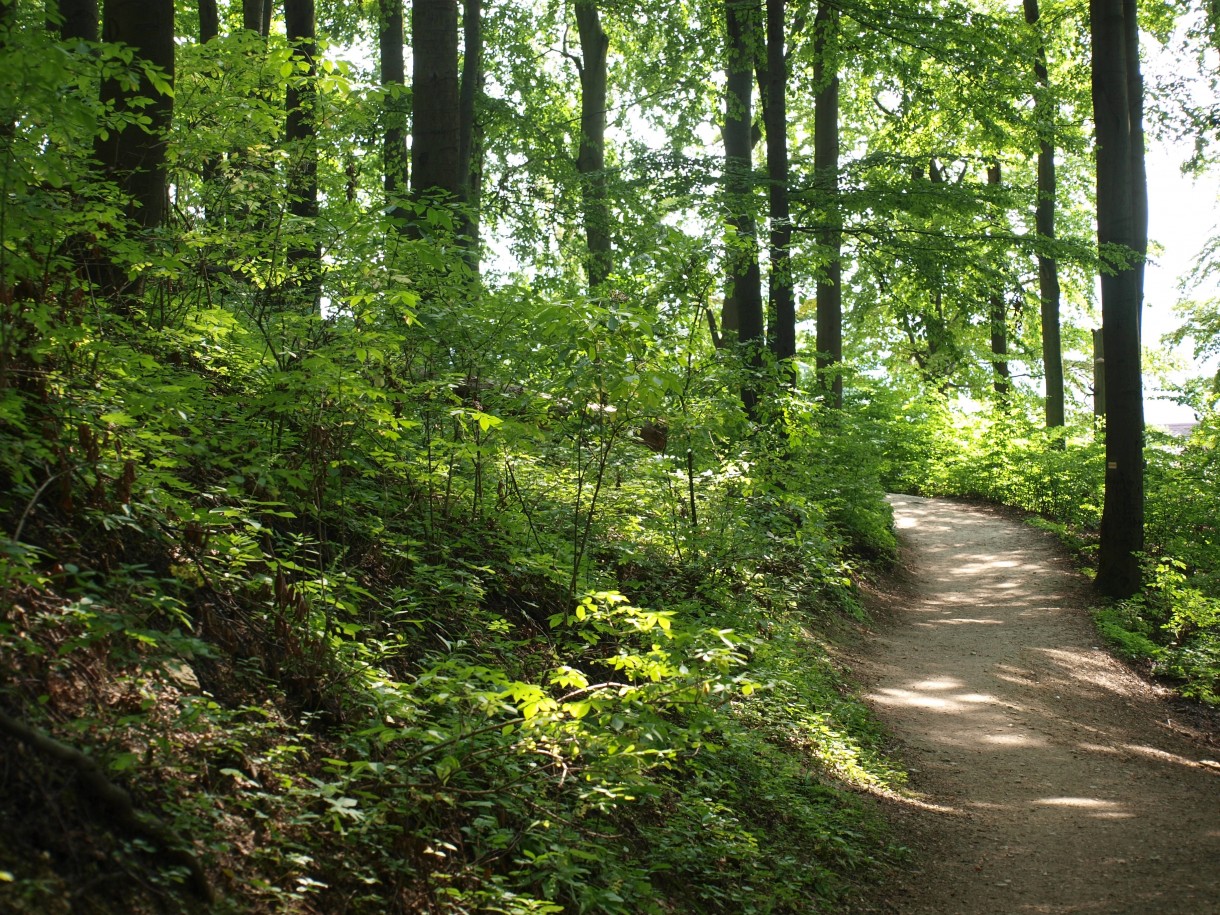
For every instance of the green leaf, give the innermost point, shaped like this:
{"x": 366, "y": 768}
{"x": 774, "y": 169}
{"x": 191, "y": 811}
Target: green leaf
{"x": 124, "y": 761}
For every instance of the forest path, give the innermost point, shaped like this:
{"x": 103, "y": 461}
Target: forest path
{"x": 1049, "y": 778}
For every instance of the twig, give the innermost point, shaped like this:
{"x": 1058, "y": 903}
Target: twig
{"x": 113, "y": 800}
{"x": 29, "y": 506}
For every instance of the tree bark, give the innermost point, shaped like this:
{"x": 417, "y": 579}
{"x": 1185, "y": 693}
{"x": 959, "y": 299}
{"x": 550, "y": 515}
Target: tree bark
{"x": 1048, "y": 267}
{"x": 470, "y": 160}
{"x": 782, "y": 295}
{"x": 75, "y": 19}
{"x": 1139, "y": 172}
{"x": 7, "y": 8}
{"x": 209, "y": 21}
{"x": 826, "y": 169}
{"x": 999, "y": 321}
{"x": 209, "y": 28}
{"x": 300, "y": 134}
{"x": 1099, "y": 375}
{"x": 435, "y": 127}
{"x": 743, "y": 308}
{"x": 393, "y": 82}
{"x": 1118, "y": 233}
{"x": 591, "y": 156}
{"x": 252, "y": 15}
{"x": 135, "y": 157}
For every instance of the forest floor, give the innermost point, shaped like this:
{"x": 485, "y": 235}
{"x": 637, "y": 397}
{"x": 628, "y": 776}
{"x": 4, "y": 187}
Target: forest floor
{"x": 1046, "y": 777}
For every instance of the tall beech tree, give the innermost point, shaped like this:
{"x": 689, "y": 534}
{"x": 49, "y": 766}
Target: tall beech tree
{"x": 1121, "y": 234}
{"x": 742, "y": 322}
{"x": 256, "y": 16}
{"x": 300, "y": 133}
{"x": 7, "y": 8}
{"x": 826, "y": 171}
{"x": 134, "y": 156}
{"x": 470, "y": 164}
{"x": 73, "y": 19}
{"x": 591, "y": 157}
{"x": 209, "y": 30}
{"x": 435, "y": 124}
{"x": 1048, "y": 266}
{"x": 391, "y": 59}
{"x": 782, "y": 294}
{"x": 209, "y": 21}
{"x": 998, "y": 314}
{"x": 1138, "y": 167}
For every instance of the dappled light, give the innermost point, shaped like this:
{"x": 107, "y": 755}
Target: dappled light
{"x": 1012, "y": 740}
{"x": 1088, "y": 806}
{"x": 1016, "y": 716}
{"x": 444, "y": 456}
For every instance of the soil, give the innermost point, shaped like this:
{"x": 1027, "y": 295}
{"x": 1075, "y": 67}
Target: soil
{"x": 1046, "y": 776}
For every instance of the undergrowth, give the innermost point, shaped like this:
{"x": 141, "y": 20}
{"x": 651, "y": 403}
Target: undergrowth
{"x": 413, "y": 712}
{"x": 453, "y": 597}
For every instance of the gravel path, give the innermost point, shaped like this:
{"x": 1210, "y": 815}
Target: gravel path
{"x": 1047, "y": 778}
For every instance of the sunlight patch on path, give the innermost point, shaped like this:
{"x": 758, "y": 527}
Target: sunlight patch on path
{"x": 1013, "y": 740}
{"x": 1059, "y": 788}
{"x": 1096, "y": 808}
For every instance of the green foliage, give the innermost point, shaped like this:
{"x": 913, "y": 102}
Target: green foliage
{"x": 472, "y": 592}
{"x": 398, "y": 607}
{"x": 1175, "y": 626}
{"x": 1009, "y": 458}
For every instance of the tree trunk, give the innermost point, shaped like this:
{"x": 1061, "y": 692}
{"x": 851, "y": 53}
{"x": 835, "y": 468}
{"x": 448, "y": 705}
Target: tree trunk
{"x": 72, "y": 19}
{"x": 1099, "y": 375}
{"x": 393, "y": 82}
{"x": 252, "y": 15}
{"x": 1139, "y": 172}
{"x": 591, "y": 158}
{"x": 300, "y": 134}
{"x": 1048, "y": 267}
{"x": 209, "y": 21}
{"x": 782, "y": 296}
{"x": 743, "y": 308}
{"x": 470, "y": 159}
{"x": 1118, "y": 212}
{"x": 999, "y": 321}
{"x": 435, "y": 127}
{"x": 7, "y": 124}
{"x": 209, "y": 28}
{"x": 7, "y": 8}
{"x": 134, "y": 157}
{"x": 826, "y": 169}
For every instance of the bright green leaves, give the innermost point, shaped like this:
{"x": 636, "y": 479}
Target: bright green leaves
{"x": 530, "y": 699}
{"x": 606, "y": 610}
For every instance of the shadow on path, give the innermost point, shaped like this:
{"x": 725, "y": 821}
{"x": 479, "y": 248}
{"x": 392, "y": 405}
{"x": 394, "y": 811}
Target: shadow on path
{"x": 1060, "y": 782}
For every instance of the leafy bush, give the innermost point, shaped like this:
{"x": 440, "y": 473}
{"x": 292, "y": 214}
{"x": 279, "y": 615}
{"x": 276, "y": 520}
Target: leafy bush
{"x": 448, "y": 595}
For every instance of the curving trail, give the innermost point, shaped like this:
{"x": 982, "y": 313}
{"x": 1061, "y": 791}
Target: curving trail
{"x": 1048, "y": 778}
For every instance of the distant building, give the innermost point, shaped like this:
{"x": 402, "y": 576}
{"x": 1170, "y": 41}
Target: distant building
{"x": 1181, "y": 430}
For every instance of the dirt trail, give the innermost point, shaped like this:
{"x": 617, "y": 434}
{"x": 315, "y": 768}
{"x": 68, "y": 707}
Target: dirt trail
{"x": 1050, "y": 779}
